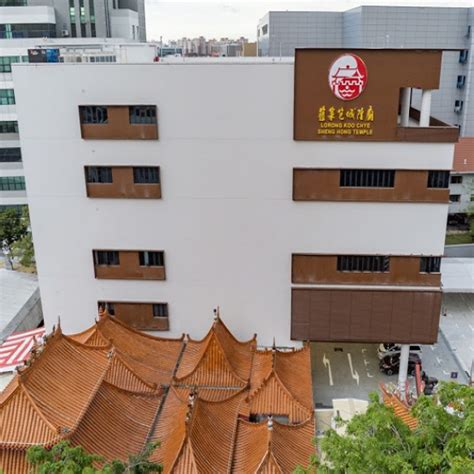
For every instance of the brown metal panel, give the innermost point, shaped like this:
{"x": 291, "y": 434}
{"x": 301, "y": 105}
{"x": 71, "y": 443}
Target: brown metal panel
{"x": 322, "y": 269}
{"x": 311, "y": 184}
{"x": 123, "y": 186}
{"x": 118, "y": 127}
{"x": 366, "y": 315}
{"x": 387, "y": 71}
{"x": 140, "y": 316}
{"x": 129, "y": 269}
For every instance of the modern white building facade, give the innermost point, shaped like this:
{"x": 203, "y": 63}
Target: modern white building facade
{"x": 220, "y": 221}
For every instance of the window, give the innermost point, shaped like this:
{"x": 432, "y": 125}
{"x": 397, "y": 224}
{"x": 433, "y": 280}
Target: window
{"x": 110, "y": 307}
{"x": 93, "y": 114}
{"x": 152, "y": 259}
{"x": 264, "y": 29}
{"x": 456, "y": 179}
{"x": 146, "y": 175}
{"x": 363, "y": 263}
{"x": 7, "y": 61}
{"x": 367, "y": 178}
{"x": 106, "y": 257}
{"x": 12, "y": 183}
{"x": 472, "y": 197}
{"x": 454, "y": 197}
{"x": 99, "y": 174}
{"x": 430, "y": 264}
{"x": 463, "y": 56}
{"x": 9, "y": 127}
{"x": 10, "y": 155}
{"x": 7, "y": 97}
{"x": 160, "y": 310}
{"x": 458, "y": 105}
{"x": 438, "y": 179}
{"x": 142, "y": 114}
{"x": 460, "y": 82}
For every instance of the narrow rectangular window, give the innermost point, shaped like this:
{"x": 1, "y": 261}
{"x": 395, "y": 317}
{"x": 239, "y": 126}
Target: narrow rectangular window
{"x": 12, "y": 183}
{"x": 438, "y": 179}
{"x": 10, "y": 155}
{"x": 110, "y": 307}
{"x": 160, "y": 310}
{"x": 96, "y": 114}
{"x": 141, "y": 114}
{"x": 7, "y": 97}
{"x": 99, "y": 174}
{"x": 456, "y": 179}
{"x": 367, "y": 178}
{"x": 9, "y": 126}
{"x": 146, "y": 174}
{"x": 454, "y": 197}
{"x": 106, "y": 257}
{"x": 151, "y": 258}
{"x": 430, "y": 264}
{"x": 363, "y": 263}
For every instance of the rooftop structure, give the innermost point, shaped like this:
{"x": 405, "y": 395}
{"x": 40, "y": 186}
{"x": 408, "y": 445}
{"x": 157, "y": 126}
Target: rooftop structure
{"x": 215, "y": 405}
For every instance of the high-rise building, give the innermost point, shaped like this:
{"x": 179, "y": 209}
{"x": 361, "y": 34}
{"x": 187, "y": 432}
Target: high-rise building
{"x": 446, "y": 28}
{"x": 313, "y": 203}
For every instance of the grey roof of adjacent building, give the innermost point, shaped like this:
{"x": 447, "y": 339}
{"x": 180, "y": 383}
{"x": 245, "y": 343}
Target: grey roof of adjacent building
{"x": 457, "y": 275}
{"x": 20, "y": 305}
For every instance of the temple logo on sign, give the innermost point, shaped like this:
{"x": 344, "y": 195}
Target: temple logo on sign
{"x": 348, "y": 77}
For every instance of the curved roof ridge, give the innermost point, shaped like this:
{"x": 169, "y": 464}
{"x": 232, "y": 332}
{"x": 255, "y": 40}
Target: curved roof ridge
{"x": 156, "y": 393}
{"x": 9, "y": 389}
{"x": 293, "y": 426}
{"x": 36, "y": 408}
{"x": 108, "y": 317}
{"x": 83, "y": 345}
{"x": 119, "y": 358}
{"x": 214, "y": 402}
{"x": 269, "y": 458}
{"x": 212, "y": 336}
{"x": 223, "y": 325}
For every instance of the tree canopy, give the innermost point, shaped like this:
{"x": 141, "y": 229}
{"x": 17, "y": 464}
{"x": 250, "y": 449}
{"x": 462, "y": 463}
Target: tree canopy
{"x": 66, "y": 459}
{"x": 379, "y": 442}
{"x": 13, "y": 225}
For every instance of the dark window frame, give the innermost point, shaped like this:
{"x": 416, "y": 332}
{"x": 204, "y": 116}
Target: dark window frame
{"x": 366, "y": 178}
{"x": 146, "y": 175}
{"x": 94, "y": 114}
{"x": 438, "y": 179}
{"x": 10, "y": 155}
{"x": 99, "y": 175}
{"x": 105, "y": 257}
{"x": 151, "y": 258}
{"x": 363, "y": 263}
{"x": 456, "y": 179}
{"x": 160, "y": 310}
{"x": 142, "y": 114}
{"x": 430, "y": 264}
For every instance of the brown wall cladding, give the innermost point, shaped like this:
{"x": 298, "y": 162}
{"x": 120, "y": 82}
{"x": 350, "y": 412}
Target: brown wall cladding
{"x": 388, "y": 71}
{"x": 129, "y": 269}
{"x": 119, "y": 127}
{"x": 123, "y": 186}
{"x": 370, "y": 316}
{"x": 322, "y": 269}
{"x": 310, "y": 184}
{"x": 139, "y": 316}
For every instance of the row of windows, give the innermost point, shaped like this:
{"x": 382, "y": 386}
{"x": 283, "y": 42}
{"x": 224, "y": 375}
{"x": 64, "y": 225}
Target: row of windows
{"x": 27, "y": 30}
{"x": 98, "y": 114}
{"x": 7, "y": 96}
{"x": 146, "y": 258}
{"x": 361, "y": 178}
{"x": 141, "y": 174}
{"x": 160, "y": 310}
{"x": 12, "y": 183}
{"x": 9, "y": 126}
{"x": 8, "y": 155}
{"x": 7, "y": 61}
{"x": 381, "y": 263}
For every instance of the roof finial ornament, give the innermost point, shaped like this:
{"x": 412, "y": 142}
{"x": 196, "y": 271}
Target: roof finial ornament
{"x": 217, "y": 314}
{"x": 270, "y": 423}
{"x": 274, "y": 347}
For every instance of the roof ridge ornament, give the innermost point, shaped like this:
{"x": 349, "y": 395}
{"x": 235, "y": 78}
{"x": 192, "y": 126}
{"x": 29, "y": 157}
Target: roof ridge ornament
{"x": 217, "y": 314}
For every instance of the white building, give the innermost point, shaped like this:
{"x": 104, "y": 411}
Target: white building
{"x": 231, "y": 202}
{"x": 96, "y": 50}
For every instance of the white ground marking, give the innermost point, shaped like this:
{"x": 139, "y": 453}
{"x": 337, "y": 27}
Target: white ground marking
{"x": 354, "y": 373}
{"x": 327, "y": 364}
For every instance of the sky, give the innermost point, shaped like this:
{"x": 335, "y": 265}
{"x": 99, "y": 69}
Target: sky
{"x": 221, "y": 18}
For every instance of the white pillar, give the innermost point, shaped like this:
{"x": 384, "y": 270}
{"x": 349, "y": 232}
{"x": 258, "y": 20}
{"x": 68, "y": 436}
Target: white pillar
{"x": 405, "y": 112}
{"x": 402, "y": 374}
{"x": 425, "y": 108}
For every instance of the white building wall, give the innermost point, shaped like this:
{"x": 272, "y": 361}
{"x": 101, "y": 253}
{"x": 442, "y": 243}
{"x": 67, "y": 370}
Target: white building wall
{"x": 39, "y": 14}
{"x": 124, "y": 24}
{"x": 226, "y": 221}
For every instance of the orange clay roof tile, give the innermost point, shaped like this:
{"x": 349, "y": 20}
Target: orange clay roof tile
{"x": 217, "y": 360}
{"x": 401, "y": 409}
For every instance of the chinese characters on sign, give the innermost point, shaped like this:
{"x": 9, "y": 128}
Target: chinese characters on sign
{"x": 345, "y": 120}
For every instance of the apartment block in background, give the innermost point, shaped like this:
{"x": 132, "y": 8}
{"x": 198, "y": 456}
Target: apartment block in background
{"x": 313, "y": 203}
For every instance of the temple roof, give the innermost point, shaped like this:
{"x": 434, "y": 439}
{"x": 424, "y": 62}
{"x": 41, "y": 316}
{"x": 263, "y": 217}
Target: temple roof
{"x": 112, "y": 389}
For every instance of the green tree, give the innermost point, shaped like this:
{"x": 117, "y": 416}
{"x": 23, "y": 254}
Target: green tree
{"x": 66, "y": 459}
{"x": 379, "y": 442}
{"x": 13, "y": 226}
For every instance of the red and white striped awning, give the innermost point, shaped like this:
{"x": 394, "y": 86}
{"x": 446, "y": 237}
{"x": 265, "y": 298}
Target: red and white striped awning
{"x": 16, "y": 348}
